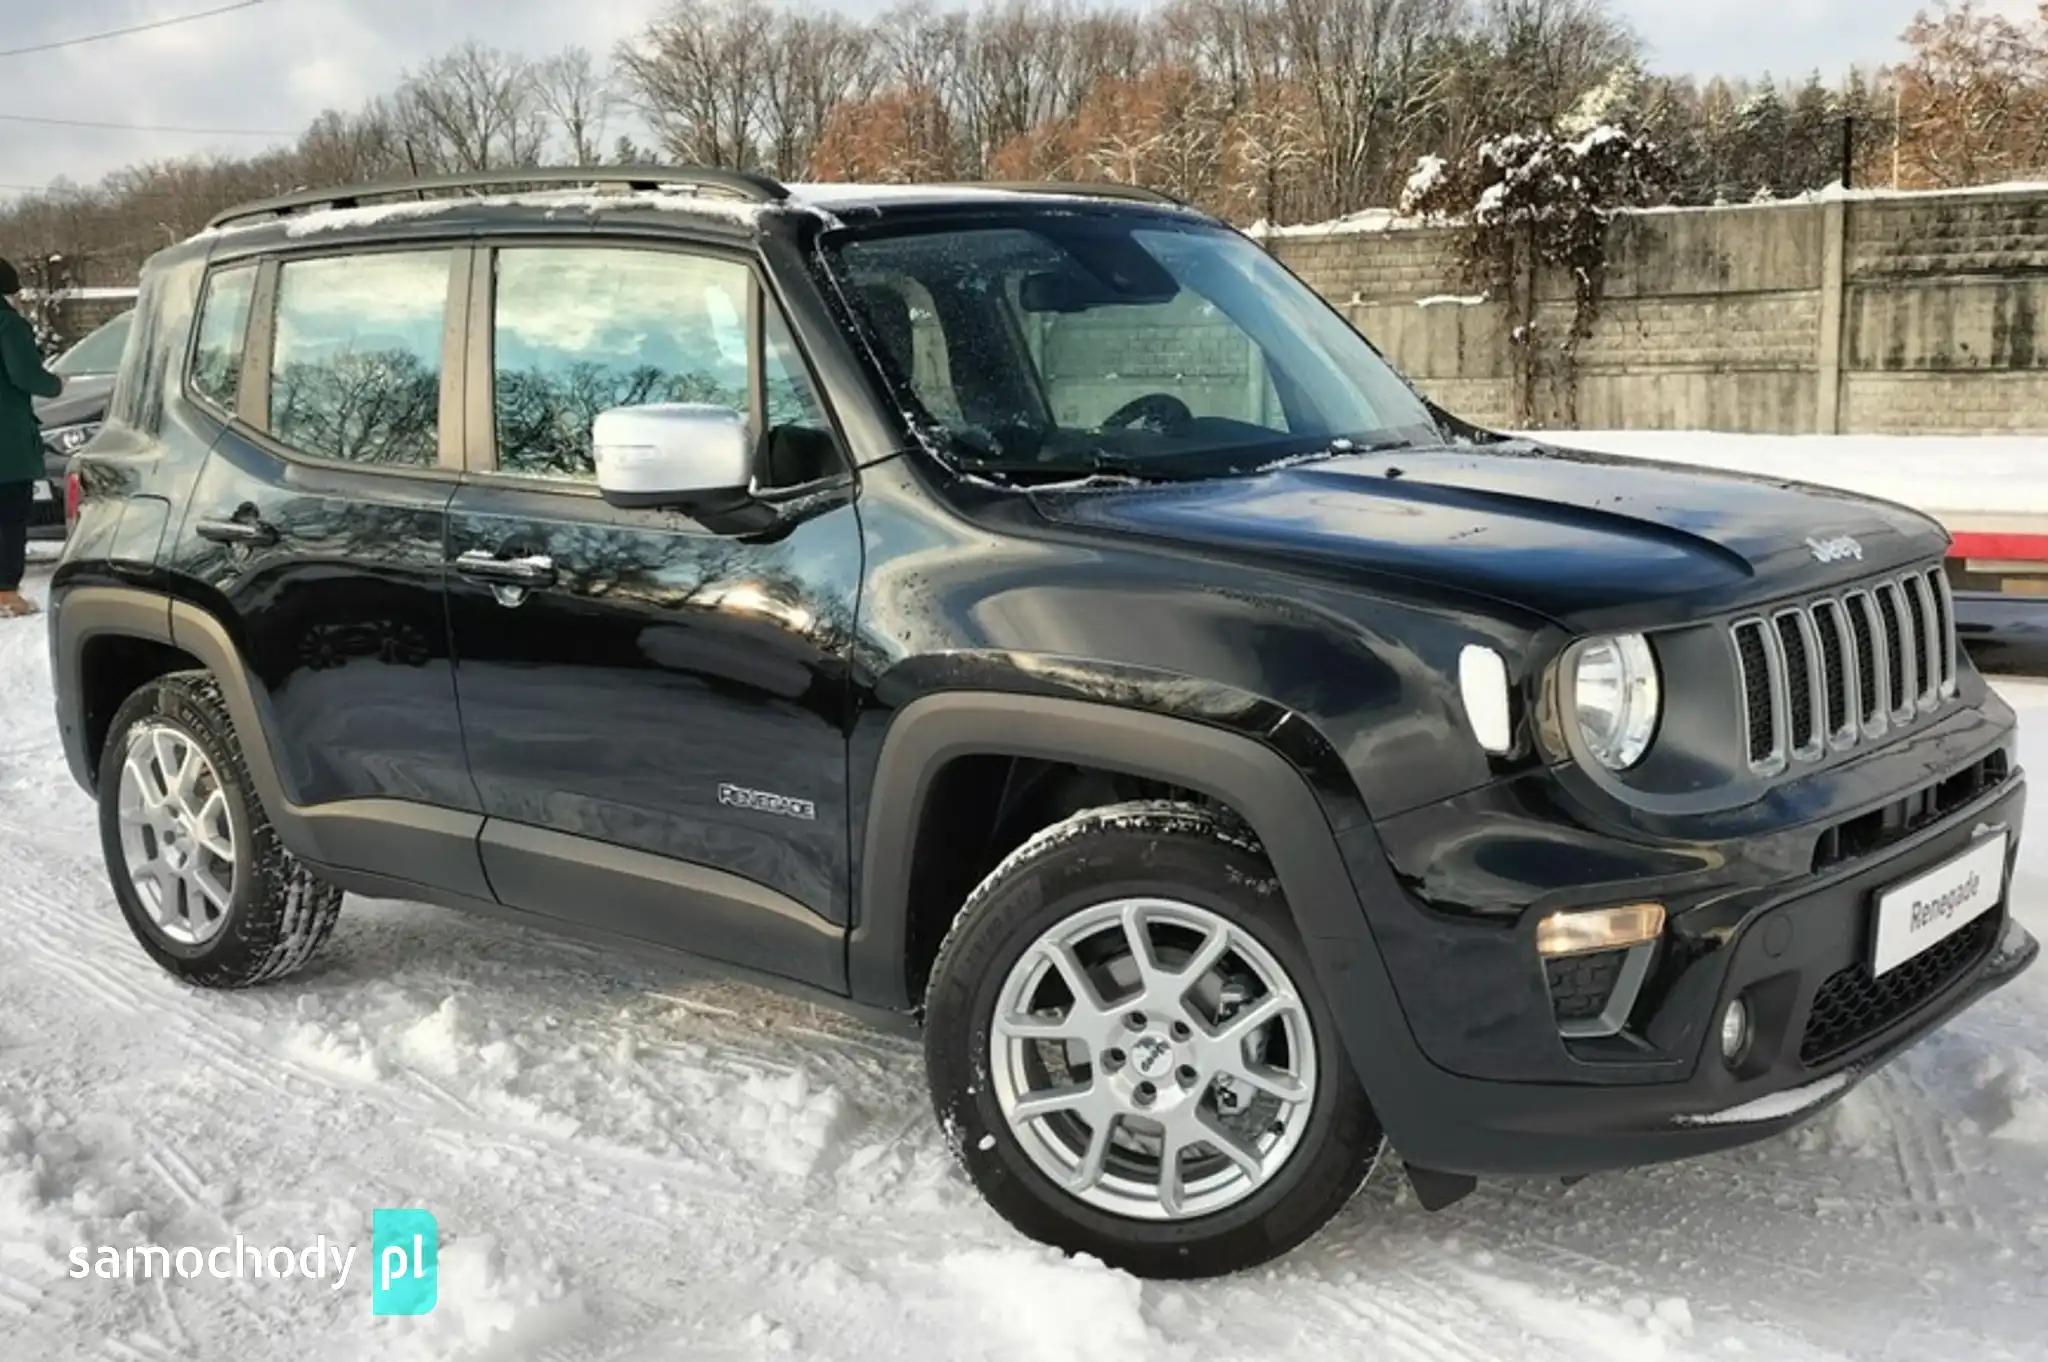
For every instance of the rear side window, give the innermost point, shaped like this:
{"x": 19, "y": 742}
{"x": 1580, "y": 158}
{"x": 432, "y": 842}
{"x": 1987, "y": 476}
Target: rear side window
{"x": 355, "y": 370}
{"x": 223, "y": 324}
{"x": 581, "y": 329}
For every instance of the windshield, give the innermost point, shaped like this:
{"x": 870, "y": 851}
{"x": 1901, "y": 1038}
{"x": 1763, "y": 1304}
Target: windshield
{"x": 1052, "y": 347}
{"x": 98, "y": 353}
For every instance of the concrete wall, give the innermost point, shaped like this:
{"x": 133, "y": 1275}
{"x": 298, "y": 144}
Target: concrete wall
{"x": 1916, "y": 314}
{"x": 78, "y": 316}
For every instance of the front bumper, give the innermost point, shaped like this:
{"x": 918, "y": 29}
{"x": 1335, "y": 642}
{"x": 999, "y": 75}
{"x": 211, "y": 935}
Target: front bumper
{"x": 1473, "y": 1074}
{"x": 1567, "y": 1130}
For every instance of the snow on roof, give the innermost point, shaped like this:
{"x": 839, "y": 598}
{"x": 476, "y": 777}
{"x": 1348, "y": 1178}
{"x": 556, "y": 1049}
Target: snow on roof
{"x": 820, "y": 199}
{"x": 565, "y": 202}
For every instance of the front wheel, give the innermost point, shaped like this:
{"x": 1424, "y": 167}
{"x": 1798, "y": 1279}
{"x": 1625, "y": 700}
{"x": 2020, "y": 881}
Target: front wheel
{"x": 1126, "y": 1044}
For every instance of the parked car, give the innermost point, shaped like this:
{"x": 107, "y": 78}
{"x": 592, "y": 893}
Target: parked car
{"x": 73, "y": 417}
{"x": 1032, "y": 614}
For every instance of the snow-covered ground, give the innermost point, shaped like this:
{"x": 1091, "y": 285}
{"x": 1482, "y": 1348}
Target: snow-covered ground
{"x": 1984, "y": 482}
{"x": 630, "y": 1162}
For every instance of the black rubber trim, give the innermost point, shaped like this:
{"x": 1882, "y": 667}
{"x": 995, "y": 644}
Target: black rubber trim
{"x": 431, "y": 842}
{"x": 1253, "y": 780}
{"x": 644, "y": 897}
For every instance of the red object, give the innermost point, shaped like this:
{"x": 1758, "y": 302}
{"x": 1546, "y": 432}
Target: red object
{"x": 2003, "y": 548}
{"x": 74, "y": 492}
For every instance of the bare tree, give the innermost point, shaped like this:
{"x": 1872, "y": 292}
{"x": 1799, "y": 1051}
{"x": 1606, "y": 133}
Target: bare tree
{"x": 815, "y": 66}
{"x": 577, "y": 97}
{"x": 473, "y": 109}
{"x": 699, "y": 74}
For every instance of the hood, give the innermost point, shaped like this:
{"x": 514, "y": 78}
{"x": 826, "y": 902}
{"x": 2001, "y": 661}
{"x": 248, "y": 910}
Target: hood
{"x": 1588, "y": 540}
{"x": 84, "y": 399}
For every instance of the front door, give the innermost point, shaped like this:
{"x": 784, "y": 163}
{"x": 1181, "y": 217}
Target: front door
{"x": 655, "y": 713}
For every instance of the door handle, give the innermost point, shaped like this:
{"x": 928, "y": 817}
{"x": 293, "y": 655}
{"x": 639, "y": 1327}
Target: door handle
{"x": 535, "y": 569}
{"x": 244, "y": 527}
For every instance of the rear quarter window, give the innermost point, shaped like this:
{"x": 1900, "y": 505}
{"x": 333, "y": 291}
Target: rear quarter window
{"x": 223, "y": 328}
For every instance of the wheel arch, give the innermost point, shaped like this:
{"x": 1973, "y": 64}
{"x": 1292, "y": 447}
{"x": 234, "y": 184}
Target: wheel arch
{"x": 355, "y": 834}
{"x": 931, "y": 733}
{"x": 1270, "y": 793}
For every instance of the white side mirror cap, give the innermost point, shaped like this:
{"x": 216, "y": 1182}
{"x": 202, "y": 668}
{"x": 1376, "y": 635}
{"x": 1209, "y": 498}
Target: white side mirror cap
{"x": 671, "y": 454}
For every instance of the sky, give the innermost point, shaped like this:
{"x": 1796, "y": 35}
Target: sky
{"x": 279, "y": 63}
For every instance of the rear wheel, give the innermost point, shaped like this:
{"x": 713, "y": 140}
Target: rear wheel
{"x": 1126, "y": 1043}
{"x": 199, "y": 872}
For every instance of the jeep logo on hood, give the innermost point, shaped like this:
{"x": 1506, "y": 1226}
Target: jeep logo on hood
{"x": 1835, "y": 549}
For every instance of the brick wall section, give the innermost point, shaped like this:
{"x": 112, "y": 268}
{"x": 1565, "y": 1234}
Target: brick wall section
{"x": 1714, "y": 318}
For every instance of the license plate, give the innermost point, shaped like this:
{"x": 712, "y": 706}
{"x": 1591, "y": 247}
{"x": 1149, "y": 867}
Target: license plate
{"x": 43, "y": 492}
{"x": 1933, "y": 906}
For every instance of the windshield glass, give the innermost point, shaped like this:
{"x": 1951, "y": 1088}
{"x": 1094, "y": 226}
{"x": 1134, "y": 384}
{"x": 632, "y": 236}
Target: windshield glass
{"x": 1052, "y": 347}
{"x": 98, "y": 353}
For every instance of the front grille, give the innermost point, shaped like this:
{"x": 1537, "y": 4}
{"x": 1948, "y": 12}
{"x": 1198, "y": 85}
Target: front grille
{"x": 1853, "y": 1005}
{"x": 1754, "y": 653}
{"x": 1844, "y": 669}
{"x": 1806, "y": 697}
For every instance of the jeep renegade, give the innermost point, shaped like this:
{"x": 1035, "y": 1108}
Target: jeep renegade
{"x": 1034, "y": 613}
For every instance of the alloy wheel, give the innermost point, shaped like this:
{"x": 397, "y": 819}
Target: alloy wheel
{"x": 1153, "y": 1059}
{"x": 177, "y": 839}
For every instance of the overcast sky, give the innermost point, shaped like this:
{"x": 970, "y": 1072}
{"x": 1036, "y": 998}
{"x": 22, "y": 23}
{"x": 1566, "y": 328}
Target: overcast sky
{"x": 278, "y": 64}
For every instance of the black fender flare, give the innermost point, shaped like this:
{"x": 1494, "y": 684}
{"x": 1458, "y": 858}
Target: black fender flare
{"x": 354, "y": 834}
{"x": 1261, "y": 785}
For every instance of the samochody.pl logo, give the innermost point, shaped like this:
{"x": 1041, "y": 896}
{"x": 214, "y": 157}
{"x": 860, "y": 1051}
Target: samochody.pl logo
{"x": 405, "y": 1254}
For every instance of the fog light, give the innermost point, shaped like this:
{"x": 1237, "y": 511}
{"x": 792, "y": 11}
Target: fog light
{"x": 1599, "y": 929}
{"x": 1734, "y": 1031}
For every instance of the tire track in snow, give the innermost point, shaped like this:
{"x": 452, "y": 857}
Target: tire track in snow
{"x": 1936, "y": 1182}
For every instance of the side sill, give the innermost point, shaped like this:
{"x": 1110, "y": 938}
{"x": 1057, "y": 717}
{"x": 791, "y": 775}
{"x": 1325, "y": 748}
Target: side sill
{"x": 638, "y": 896}
{"x": 371, "y": 884}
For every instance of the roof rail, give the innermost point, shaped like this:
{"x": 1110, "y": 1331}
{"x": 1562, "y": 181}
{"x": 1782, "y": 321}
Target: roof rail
{"x": 1083, "y": 188}
{"x": 739, "y": 184}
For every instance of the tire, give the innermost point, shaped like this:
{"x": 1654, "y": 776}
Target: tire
{"x": 243, "y": 910}
{"x": 1184, "y": 877}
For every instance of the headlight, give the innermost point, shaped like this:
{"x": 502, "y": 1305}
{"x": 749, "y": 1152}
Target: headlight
{"x": 71, "y": 439}
{"x": 1616, "y": 699}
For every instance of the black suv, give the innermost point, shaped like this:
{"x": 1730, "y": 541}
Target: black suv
{"x": 1032, "y": 612}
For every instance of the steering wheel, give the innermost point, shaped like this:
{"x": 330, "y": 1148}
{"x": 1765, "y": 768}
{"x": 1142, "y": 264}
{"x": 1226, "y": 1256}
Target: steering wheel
{"x": 1161, "y": 412}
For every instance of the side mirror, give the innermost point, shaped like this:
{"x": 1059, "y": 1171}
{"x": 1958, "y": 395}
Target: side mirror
{"x": 685, "y": 454}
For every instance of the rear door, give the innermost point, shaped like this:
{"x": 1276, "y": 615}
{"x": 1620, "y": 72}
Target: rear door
{"x": 318, "y": 529}
{"x": 655, "y": 712}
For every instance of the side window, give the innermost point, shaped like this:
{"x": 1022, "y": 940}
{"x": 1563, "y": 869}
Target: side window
{"x": 131, "y": 404}
{"x": 800, "y": 447}
{"x": 581, "y": 329}
{"x": 223, "y": 323}
{"x": 355, "y": 371}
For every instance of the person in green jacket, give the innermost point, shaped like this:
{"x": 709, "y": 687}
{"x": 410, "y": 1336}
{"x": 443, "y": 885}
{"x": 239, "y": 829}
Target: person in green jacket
{"x": 22, "y": 379}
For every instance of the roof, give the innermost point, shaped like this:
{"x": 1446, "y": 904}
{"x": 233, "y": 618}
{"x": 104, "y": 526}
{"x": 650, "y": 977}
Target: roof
{"x": 731, "y": 197}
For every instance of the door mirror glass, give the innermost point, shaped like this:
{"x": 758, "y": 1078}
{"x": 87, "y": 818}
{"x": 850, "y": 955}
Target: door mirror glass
{"x": 672, "y": 454}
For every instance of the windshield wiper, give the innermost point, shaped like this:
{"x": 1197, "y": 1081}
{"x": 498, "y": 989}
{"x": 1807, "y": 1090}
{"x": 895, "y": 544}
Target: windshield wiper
{"x": 1341, "y": 447}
